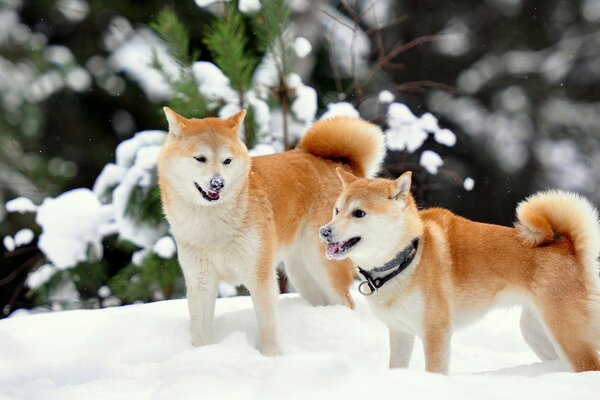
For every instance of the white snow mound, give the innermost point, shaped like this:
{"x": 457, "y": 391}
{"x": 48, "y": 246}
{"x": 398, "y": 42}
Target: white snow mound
{"x": 144, "y": 352}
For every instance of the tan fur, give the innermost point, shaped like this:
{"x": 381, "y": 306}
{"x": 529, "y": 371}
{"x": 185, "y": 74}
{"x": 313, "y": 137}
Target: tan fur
{"x": 268, "y": 212}
{"x": 548, "y": 263}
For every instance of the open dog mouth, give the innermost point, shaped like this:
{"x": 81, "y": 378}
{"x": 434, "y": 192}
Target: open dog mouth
{"x": 340, "y": 248}
{"x": 208, "y": 195}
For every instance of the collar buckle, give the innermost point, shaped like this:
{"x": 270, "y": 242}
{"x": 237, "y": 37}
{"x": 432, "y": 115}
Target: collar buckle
{"x": 370, "y": 285}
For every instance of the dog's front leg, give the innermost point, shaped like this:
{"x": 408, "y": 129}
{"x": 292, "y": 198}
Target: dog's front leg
{"x": 264, "y": 292}
{"x": 437, "y": 348}
{"x": 401, "y": 348}
{"x": 201, "y": 282}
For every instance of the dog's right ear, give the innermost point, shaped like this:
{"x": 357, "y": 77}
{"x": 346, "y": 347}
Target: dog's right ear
{"x": 401, "y": 186}
{"x": 345, "y": 177}
{"x": 176, "y": 122}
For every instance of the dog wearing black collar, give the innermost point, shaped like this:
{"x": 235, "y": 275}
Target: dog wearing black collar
{"x": 427, "y": 273}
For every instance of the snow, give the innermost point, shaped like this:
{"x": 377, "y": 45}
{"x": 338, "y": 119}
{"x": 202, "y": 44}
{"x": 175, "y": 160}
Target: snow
{"x": 71, "y": 227}
{"x": 9, "y": 243}
{"x": 205, "y": 3}
{"x": 20, "y": 205}
{"x": 110, "y": 177}
{"x": 78, "y": 79}
{"x": 399, "y": 114}
{"x": 249, "y": 6}
{"x": 445, "y": 137}
{"x": 469, "y": 183}
{"x": 407, "y": 137}
{"x": 144, "y": 352}
{"x": 341, "y": 109}
{"x": 134, "y": 57}
{"x": 349, "y": 44}
{"x": 305, "y": 104}
{"x": 385, "y": 96}
{"x": 23, "y": 237}
{"x": 40, "y": 276}
{"x": 213, "y": 83}
{"x": 165, "y": 247}
{"x": 302, "y": 47}
{"x": 431, "y": 161}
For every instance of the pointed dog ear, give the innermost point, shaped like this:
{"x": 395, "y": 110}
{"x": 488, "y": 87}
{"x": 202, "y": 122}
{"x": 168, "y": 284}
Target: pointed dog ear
{"x": 176, "y": 122}
{"x": 345, "y": 177}
{"x": 401, "y": 186}
{"x": 235, "y": 121}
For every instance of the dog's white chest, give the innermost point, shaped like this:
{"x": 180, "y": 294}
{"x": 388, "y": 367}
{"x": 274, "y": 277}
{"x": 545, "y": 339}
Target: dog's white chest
{"x": 403, "y": 313}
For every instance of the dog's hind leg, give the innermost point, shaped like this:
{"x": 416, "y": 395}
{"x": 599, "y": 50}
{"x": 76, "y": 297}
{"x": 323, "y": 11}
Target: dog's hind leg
{"x": 303, "y": 281}
{"x": 401, "y": 348}
{"x": 565, "y": 311}
{"x": 334, "y": 277}
{"x": 535, "y": 336}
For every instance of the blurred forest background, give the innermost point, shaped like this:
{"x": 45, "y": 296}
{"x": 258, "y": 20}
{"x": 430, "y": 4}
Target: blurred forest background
{"x": 516, "y": 81}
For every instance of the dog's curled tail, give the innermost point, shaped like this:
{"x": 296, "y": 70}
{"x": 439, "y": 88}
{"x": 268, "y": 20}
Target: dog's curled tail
{"x": 545, "y": 215}
{"x": 353, "y": 141}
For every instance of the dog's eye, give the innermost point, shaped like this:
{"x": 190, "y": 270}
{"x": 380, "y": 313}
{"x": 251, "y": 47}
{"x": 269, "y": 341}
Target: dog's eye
{"x": 227, "y": 161}
{"x": 359, "y": 213}
{"x": 201, "y": 159}
{"x": 336, "y": 211}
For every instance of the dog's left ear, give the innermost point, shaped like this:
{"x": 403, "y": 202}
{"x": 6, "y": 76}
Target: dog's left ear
{"x": 236, "y": 120}
{"x": 345, "y": 177}
{"x": 176, "y": 122}
{"x": 401, "y": 186}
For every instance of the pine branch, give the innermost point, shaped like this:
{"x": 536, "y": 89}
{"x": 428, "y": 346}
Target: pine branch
{"x": 175, "y": 35}
{"x": 228, "y": 43}
{"x": 186, "y": 97}
{"x": 144, "y": 205}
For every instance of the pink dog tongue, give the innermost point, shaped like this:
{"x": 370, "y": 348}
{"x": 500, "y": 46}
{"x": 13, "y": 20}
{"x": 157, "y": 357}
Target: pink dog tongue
{"x": 213, "y": 195}
{"x": 332, "y": 248}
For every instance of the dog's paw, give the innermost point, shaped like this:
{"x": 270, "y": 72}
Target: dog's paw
{"x": 198, "y": 341}
{"x": 270, "y": 351}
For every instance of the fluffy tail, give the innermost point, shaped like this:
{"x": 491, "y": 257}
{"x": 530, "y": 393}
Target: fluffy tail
{"x": 355, "y": 142}
{"x": 546, "y": 214}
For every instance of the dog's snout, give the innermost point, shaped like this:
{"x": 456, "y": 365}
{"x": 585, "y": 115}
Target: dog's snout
{"x": 325, "y": 232}
{"x": 217, "y": 183}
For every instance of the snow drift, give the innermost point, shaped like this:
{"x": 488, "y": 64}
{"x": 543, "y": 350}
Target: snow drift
{"x": 144, "y": 352}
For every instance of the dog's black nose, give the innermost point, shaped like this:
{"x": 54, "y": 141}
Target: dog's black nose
{"x": 325, "y": 232}
{"x": 217, "y": 183}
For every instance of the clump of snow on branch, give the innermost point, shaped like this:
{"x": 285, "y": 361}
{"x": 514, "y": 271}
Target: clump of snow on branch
{"x": 165, "y": 247}
{"x": 72, "y": 227}
{"x": 134, "y": 56}
{"x": 431, "y": 161}
{"x": 341, "y": 109}
{"x": 407, "y": 132}
{"x": 249, "y": 6}
{"x": 302, "y": 47}
{"x": 138, "y": 157}
{"x": 40, "y": 276}
{"x": 385, "y": 97}
{"x": 20, "y": 205}
{"x": 469, "y": 184}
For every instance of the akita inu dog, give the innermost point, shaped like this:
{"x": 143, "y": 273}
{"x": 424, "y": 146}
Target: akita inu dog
{"x": 234, "y": 217}
{"x": 429, "y": 272}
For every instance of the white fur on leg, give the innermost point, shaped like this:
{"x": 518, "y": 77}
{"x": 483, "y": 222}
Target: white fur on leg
{"x": 401, "y": 348}
{"x": 264, "y": 296}
{"x": 535, "y": 336}
{"x": 201, "y": 281}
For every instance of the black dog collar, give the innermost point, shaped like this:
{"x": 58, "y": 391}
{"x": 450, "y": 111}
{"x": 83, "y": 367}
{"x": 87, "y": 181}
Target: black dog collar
{"x": 396, "y": 265}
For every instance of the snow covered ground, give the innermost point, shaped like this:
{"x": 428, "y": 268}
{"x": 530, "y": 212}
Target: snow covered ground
{"x": 144, "y": 352}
